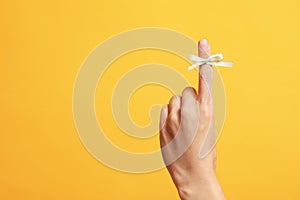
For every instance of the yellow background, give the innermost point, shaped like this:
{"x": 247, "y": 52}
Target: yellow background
{"x": 43, "y": 44}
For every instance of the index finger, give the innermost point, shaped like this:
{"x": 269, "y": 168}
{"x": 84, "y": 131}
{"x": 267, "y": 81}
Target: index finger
{"x": 205, "y": 72}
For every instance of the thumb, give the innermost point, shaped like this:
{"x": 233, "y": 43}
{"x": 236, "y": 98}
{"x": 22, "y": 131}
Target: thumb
{"x": 205, "y": 73}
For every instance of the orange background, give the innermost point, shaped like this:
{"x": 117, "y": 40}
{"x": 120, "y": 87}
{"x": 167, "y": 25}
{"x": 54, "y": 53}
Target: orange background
{"x": 43, "y": 44}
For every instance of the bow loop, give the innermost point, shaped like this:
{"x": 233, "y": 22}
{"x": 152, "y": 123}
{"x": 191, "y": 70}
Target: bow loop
{"x": 211, "y": 60}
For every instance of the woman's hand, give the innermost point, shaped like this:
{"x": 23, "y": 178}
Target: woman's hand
{"x": 190, "y": 117}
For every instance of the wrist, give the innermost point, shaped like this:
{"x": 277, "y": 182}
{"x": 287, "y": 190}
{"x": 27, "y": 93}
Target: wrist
{"x": 201, "y": 189}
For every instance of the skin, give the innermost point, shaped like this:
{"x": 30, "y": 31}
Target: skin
{"x": 191, "y": 114}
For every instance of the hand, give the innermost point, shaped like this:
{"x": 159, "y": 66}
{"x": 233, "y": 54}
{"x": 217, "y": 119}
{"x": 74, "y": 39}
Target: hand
{"x": 190, "y": 120}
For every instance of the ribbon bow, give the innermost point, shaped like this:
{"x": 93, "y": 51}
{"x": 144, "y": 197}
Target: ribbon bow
{"x": 211, "y": 60}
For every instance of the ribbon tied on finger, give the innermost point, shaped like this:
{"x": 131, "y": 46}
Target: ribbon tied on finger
{"x": 215, "y": 60}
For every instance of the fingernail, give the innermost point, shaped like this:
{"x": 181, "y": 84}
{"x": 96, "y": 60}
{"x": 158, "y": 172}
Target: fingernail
{"x": 203, "y": 48}
{"x": 203, "y": 42}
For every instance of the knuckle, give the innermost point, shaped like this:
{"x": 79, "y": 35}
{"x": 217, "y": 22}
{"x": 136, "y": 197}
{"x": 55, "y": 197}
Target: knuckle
{"x": 175, "y": 100}
{"x": 187, "y": 90}
{"x": 164, "y": 109}
{"x": 173, "y": 118}
{"x": 206, "y": 99}
{"x": 206, "y": 111}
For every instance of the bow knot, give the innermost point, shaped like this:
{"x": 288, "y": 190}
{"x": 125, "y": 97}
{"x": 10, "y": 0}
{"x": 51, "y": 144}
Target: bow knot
{"x": 211, "y": 60}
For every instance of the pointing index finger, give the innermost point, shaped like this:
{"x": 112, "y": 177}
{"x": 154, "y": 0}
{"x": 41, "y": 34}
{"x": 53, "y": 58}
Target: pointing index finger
{"x": 205, "y": 72}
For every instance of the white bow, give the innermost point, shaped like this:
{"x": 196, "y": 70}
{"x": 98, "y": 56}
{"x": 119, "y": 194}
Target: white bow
{"x": 211, "y": 60}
